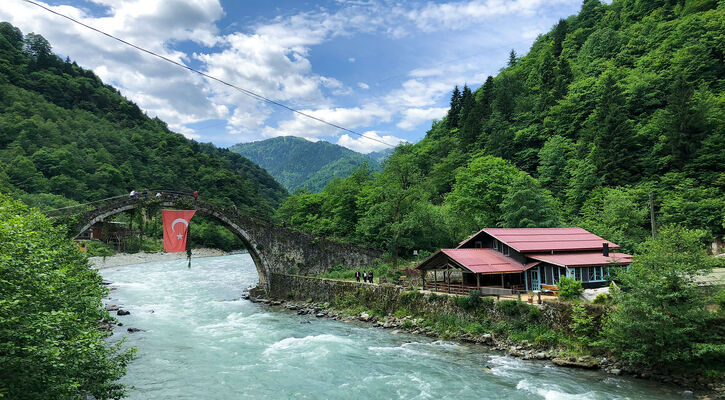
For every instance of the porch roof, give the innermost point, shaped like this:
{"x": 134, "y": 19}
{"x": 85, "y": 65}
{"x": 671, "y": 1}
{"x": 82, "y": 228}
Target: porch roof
{"x": 583, "y": 259}
{"x": 480, "y": 261}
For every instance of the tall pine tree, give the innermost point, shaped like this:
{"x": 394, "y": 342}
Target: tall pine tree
{"x": 615, "y": 147}
{"x": 455, "y": 110}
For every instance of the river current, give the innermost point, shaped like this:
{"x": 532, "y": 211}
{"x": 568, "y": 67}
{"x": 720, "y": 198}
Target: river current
{"x": 200, "y": 340}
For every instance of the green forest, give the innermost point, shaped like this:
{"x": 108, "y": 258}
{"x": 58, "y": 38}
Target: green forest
{"x": 614, "y": 109}
{"x": 67, "y": 138}
{"x": 297, "y": 163}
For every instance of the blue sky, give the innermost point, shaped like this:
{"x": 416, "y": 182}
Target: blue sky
{"x": 382, "y": 68}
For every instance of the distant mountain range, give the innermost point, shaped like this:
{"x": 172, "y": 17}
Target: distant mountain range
{"x": 298, "y": 163}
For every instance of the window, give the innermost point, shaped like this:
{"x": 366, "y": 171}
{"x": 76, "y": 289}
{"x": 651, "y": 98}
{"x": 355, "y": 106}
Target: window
{"x": 593, "y": 273}
{"x": 505, "y": 249}
{"x": 578, "y": 274}
{"x": 495, "y": 244}
{"x": 478, "y": 244}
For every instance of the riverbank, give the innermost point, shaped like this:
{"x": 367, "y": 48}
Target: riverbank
{"x": 510, "y": 326}
{"x": 142, "y": 257}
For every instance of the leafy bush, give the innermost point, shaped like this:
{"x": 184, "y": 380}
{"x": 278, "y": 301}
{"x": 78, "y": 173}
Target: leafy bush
{"x": 410, "y": 297}
{"x": 469, "y": 302}
{"x": 602, "y": 298}
{"x": 51, "y": 346}
{"x": 510, "y": 307}
{"x": 583, "y": 327}
{"x": 96, "y": 248}
{"x": 569, "y": 288}
{"x": 662, "y": 318}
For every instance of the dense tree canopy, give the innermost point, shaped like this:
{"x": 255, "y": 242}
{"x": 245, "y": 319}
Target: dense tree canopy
{"x": 619, "y": 103}
{"x": 67, "y": 138}
{"x": 297, "y": 163}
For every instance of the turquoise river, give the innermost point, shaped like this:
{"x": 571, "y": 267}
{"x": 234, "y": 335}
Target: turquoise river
{"x": 200, "y": 340}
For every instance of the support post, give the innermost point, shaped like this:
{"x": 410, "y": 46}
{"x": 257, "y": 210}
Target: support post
{"x": 478, "y": 280}
{"x": 502, "y": 280}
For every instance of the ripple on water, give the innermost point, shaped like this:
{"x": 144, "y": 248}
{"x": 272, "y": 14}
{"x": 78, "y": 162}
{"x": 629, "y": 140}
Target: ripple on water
{"x": 203, "y": 342}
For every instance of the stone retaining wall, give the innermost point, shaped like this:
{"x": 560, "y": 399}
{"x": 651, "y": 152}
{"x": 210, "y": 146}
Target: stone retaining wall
{"x": 387, "y": 299}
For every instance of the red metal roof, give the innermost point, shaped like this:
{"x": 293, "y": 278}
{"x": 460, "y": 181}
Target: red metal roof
{"x": 527, "y": 240}
{"x": 485, "y": 261}
{"x": 582, "y": 259}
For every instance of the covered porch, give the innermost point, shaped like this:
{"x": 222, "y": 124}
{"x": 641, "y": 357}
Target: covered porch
{"x": 460, "y": 271}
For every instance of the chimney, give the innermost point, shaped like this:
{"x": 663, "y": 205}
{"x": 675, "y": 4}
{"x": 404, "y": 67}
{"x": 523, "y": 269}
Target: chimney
{"x": 605, "y": 249}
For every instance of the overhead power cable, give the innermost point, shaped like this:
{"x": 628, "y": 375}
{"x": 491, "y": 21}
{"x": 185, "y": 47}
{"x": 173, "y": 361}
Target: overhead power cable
{"x": 223, "y": 82}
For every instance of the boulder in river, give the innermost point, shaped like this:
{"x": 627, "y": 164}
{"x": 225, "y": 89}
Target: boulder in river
{"x": 134, "y": 330}
{"x": 123, "y": 312}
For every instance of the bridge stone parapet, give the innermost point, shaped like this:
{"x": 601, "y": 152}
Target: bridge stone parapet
{"x": 274, "y": 249}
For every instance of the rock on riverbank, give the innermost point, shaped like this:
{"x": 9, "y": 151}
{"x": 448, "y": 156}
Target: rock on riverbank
{"x": 525, "y": 350}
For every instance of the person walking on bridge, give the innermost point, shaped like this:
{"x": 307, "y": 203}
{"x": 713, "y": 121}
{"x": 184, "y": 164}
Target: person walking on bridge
{"x": 235, "y": 210}
{"x": 357, "y": 275}
{"x": 370, "y": 276}
{"x": 196, "y": 197}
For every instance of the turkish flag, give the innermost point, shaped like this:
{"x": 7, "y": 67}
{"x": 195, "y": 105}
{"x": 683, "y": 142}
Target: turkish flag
{"x": 176, "y": 226}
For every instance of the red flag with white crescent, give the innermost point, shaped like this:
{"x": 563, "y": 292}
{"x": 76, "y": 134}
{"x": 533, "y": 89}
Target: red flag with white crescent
{"x": 176, "y": 226}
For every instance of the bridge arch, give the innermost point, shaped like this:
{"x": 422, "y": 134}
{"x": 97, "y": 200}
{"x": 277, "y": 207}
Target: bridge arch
{"x": 273, "y": 248}
{"x": 101, "y": 214}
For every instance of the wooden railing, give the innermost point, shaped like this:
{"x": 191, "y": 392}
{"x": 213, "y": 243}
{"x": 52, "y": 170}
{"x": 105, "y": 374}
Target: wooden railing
{"x": 457, "y": 288}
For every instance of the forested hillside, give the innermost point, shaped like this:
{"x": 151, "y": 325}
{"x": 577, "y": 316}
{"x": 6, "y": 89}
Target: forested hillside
{"x": 66, "y": 137}
{"x": 298, "y": 163}
{"x": 615, "y": 106}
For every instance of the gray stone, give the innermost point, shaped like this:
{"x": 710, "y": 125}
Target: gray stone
{"x": 687, "y": 393}
{"x": 123, "y": 312}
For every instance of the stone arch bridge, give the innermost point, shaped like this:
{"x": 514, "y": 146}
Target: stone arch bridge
{"x": 274, "y": 249}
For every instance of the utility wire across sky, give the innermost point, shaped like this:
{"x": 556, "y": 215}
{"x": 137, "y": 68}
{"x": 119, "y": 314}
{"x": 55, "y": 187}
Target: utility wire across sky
{"x": 240, "y": 89}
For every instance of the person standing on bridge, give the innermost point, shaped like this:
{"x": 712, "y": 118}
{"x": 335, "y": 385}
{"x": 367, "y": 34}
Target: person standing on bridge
{"x": 196, "y": 197}
{"x": 357, "y": 275}
{"x": 145, "y": 194}
{"x": 365, "y": 276}
{"x": 158, "y": 194}
{"x": 370, "y": 276}
{"x": 235, "y": 210}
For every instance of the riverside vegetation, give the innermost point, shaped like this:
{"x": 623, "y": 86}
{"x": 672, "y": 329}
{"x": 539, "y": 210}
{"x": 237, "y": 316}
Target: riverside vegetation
{"x": 51, "y": 344}
{"x": 658, "y": 321}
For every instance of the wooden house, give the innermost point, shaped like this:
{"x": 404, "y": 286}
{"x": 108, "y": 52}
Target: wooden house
{"x": 504, "y": 260}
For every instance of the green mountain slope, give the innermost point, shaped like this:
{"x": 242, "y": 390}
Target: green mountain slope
{"x": 65, "y": 136}
{"x": 298, "y": 163}
{"x": 620, "y": 104}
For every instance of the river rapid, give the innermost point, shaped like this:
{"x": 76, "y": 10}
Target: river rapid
{"x": 200, "y": 340}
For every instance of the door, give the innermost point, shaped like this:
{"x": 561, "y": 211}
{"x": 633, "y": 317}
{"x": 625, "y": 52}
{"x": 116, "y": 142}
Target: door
{"x": 535, "y": 282}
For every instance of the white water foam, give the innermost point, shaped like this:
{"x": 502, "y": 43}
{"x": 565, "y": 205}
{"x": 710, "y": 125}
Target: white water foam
{"x": 552, "y": 392}
{"x": 292, "y": 343}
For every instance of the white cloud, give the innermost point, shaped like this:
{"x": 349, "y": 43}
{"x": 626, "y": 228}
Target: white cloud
{"x": 273, "y": 59}
{"x": 413, "y": 117}
{"x": 350, "y": 118}
{"x": 462, "y": 14}
{"x": 364, "y": 144}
